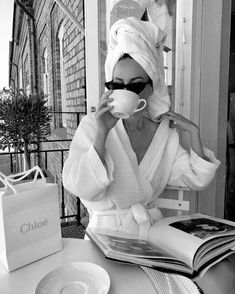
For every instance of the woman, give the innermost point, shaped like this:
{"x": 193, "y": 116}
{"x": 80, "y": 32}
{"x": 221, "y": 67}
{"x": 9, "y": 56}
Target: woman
{"x": 118, "y": 167}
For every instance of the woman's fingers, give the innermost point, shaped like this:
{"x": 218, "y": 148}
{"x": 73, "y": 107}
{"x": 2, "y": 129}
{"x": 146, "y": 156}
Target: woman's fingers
{"x": 170, "y": 112}
{"x": 173, "y": 115}
{"x": 168, "y": 115}
{"x": 178, "y": 121}
{"x": 104, "y": 102}
{"x": 106, "y": 95}
{"x": 103, "y": 110}
{"x": 176, "y": 117}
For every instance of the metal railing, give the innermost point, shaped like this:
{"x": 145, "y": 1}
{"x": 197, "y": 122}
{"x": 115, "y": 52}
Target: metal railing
{"x": 61, "y": 151}
{"x": 42, "y": 161}
{"x": 63, "y": 216}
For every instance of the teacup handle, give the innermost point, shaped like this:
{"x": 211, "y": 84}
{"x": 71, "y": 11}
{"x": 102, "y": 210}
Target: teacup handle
{"x": 138, "y": 109}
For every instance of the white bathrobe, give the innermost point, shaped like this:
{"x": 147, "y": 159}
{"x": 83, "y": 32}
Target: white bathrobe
{"x": 121, "y": 195}
{"x": 115, "y": 194}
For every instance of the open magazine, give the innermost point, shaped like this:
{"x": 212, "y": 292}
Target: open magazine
{"x": 186, "y": 245}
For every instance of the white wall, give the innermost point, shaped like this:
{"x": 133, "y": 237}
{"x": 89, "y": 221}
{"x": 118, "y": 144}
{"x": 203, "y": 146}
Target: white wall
{"x": 213, "y": 85}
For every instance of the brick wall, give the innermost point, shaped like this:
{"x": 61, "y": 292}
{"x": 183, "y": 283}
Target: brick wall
{"x": 49, "y": 17}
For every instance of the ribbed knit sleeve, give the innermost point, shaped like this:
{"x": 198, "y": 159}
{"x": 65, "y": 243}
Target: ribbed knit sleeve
{"x": 84, "y": 173}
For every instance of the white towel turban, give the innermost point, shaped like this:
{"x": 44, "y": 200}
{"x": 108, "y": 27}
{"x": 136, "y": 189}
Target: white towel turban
{"x": 143, "y": 41}
{"x": 142, "y": 3}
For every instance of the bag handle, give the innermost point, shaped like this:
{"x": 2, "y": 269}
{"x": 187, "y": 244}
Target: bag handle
{"x": 8, "y": 180}
{"x": 20, "y": 176}
{"x": 2, "y": 179}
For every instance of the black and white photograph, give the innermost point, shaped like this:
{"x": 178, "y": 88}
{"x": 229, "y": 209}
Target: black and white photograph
{"x": 115, "y": 115}
{"x": 202, "y": 227}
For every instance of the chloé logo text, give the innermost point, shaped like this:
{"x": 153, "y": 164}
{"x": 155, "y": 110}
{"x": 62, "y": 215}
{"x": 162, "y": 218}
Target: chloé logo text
{"x": 28, "y": 227}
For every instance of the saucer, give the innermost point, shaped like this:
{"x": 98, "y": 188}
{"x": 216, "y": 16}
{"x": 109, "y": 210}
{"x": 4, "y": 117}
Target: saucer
{"x": 75, "y": 278}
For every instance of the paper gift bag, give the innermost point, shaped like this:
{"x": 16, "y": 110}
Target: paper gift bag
{"x": 29, "y": 219}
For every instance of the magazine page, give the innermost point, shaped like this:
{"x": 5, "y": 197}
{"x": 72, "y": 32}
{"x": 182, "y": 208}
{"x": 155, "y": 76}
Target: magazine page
{"x": 127, "y": 244}
{"x": 178, "y": 242}
{"x": 128, "y": 248}
{"x": 183, "y": 235}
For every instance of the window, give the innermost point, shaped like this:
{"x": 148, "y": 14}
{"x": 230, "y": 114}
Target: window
{"x": 21, "y": 77}
{"x": 45, "y": 72}
{"x": 62, "y": 75}
{"x": 26, "y": 82}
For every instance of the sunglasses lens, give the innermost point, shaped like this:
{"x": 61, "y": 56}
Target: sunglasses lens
{"x": 136, "y": 87}
{"x": 133, "y": 87}
{"x": 114, "y": 86}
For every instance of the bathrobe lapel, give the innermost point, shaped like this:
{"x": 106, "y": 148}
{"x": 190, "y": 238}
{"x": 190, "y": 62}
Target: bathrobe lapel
{"x": 158, "y": 161}
{"x": 153, "y": 156}
{"x": 153, "y": 172}
{"x": 126, "y": 144}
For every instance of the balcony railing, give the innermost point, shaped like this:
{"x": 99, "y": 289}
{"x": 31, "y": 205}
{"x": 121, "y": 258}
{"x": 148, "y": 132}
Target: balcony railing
{"x": 14, "y": 156}
{"x": 13, "y": 162}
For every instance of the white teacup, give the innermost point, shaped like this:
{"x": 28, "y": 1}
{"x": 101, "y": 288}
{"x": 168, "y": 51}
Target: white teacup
{"x": 125, "y": 103}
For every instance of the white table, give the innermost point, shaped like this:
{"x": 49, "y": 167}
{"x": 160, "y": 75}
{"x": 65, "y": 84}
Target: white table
{"x": 124, "y": 278}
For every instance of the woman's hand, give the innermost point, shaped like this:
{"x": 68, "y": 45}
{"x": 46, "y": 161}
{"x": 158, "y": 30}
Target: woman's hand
{"x": 105, "y": 122}
{"x": 180, "y": 122}
{"x": 104, "y": 119}
{"x": 184, "y": 124}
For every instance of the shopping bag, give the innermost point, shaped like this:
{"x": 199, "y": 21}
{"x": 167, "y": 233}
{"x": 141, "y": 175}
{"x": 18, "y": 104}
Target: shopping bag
{"x": 29, "y": 219}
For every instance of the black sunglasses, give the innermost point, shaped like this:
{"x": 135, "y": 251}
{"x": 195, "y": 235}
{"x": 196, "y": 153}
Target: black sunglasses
{"x": 133, "y": 87}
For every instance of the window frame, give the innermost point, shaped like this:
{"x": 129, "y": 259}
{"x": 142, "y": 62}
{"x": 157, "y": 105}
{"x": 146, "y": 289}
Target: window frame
{"x": 60, "y": 36}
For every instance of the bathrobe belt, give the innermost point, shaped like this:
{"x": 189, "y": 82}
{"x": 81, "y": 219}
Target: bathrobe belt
{"x": 142, "y": 215}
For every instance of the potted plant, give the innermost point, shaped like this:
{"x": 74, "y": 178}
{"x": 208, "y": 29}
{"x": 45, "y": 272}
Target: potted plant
{"x": 23, "y": 120}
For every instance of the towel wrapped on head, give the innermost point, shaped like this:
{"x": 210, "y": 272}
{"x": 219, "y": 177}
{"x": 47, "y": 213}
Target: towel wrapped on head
{"x": 143, "y": 41}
